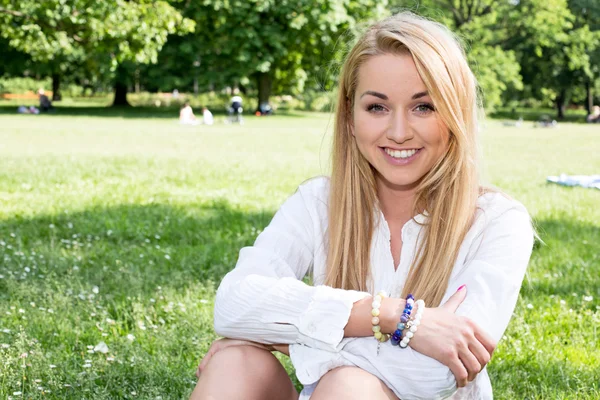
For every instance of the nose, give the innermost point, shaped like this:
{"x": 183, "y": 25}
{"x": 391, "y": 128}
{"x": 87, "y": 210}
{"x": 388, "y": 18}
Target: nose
{"x": 399, "y": 129}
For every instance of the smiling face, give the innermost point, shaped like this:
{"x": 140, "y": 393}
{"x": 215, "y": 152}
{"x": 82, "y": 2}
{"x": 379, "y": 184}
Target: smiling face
{"x": 395, "y": 124}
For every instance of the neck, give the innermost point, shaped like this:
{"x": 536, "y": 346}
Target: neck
{"x": 396, "y": 203}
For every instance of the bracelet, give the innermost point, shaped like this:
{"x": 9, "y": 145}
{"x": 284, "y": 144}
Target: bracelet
{"x": 404, "y": 318}
{"x": 412, "y": 325}
{"x": 380, "y": 336}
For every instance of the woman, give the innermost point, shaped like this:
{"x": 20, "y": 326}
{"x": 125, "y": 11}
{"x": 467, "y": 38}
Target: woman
{"x": 403, "y": 212}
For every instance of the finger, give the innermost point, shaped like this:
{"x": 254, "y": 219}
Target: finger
{"x": 470, "y": 362}
{"x": 456, "y": 299}
{"x": 485, "y": 339}
{"x": 460, "y": 372}
{"x": 480, "y": 352}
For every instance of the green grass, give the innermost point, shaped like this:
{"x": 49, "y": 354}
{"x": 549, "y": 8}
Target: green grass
{"x": 117, "y": 229}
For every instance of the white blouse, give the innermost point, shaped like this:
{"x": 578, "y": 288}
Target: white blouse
{"x": 264, "y": 299}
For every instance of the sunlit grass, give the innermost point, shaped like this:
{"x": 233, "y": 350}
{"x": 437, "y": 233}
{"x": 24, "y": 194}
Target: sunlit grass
{"x": 114, "y": 233}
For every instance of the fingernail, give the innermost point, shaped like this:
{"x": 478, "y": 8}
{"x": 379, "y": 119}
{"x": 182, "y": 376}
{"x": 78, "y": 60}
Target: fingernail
{"x": 461, "y": 288}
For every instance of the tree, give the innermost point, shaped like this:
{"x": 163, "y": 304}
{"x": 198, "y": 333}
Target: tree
{"x": 93, "y": 33}
{"x": 275, "y": 44}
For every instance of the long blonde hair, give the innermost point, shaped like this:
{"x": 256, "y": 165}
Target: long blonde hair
{"x": 448, "y": 193}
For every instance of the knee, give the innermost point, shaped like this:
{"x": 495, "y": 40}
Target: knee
{"x": 351, "y": 383}
{"x": 250, "y": 365}
{"x": 257, "y": 372}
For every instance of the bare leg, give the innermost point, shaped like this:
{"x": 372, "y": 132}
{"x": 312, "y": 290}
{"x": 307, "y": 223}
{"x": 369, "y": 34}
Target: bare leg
{"x": 244, "y": 372}
{"x": 351, "y": 383}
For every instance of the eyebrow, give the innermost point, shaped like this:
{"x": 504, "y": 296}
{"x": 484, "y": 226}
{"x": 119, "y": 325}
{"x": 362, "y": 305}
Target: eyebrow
{"x": 384, "y": 97}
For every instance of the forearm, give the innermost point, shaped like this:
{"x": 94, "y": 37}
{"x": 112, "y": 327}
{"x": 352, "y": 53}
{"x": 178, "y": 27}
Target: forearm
{"x": 360, "y": 323}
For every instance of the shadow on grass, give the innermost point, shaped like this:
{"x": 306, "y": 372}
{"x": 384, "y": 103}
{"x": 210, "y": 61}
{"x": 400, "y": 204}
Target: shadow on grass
{"x": 532, "y": 114}
{"x": 135, "y": 112}
{"x": 568, "y": 261}
{"x": 127, "y": 250}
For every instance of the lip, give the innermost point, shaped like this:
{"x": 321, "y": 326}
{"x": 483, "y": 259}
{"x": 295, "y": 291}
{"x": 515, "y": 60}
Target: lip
{"x": 396, "y": 161}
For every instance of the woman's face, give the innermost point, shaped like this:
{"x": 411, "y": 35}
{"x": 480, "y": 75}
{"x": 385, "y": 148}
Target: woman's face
{"x": 396, "y": 126}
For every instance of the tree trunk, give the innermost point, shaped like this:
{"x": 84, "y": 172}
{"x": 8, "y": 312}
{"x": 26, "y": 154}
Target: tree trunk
{"x": 589, "y": 104}
{"x": 265, "y": 83}
{"x": 56, "y": 95}
{"x": 561, "y": 105}
{"x": 121, "y": 88}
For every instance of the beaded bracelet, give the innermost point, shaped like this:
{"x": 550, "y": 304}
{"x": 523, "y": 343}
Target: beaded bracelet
{"x": 380, "y": 336}
{"x": 412, "y": 325}
{"x": 404, "y": 318}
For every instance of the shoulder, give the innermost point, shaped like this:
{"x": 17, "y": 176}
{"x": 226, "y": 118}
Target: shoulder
{"x": 315, "y": 189}
{"x": 497, "y": 209}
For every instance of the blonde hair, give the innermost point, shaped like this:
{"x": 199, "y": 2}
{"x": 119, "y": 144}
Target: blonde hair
{"x": 447, "y": 193}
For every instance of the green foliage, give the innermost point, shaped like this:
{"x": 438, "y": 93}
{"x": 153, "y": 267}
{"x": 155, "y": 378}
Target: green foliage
{"x": 290, "y": 41}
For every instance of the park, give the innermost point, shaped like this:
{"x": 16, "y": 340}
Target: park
{"x": 117, "y": 223}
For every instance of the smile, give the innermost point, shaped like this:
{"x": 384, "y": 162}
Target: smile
{"x": 401, "y": 154}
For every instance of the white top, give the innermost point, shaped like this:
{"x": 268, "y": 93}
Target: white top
{"x": 207, "y": 117}
{"x": 265, "y": 300}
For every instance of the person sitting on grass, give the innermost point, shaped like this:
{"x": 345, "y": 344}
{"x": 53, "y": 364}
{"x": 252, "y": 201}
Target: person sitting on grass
{"x": 186, "y": 115}
{"x": 415, "y": 266}
{"x": 207, "y": 117}
{"x": 45, "y": 103}
{"x": 594, "y": 117}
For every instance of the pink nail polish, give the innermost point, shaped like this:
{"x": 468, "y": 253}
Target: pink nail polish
{"x": 461, "y": 288}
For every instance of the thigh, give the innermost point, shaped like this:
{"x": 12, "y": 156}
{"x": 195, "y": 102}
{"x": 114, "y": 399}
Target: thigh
{"x": 351, "y": 383}
{"x": 244, "y": 372}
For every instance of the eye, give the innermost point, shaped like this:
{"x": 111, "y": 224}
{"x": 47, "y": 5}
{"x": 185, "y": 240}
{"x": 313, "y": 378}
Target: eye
{"x": 376, "y": 108}
{"x": 425, "y": 108}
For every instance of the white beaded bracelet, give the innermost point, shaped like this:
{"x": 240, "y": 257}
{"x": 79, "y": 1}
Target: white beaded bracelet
{"x": 411, "y": 326}
{"x": 380, "y": 336}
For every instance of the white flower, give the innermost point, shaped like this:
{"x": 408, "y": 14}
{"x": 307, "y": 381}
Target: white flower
{"x": 203, "y": 301}
{"x": 17, "y": 393}
{"x": 563, "y": 302}
{"x": 52, "y": 366}
{"x": 131, "y": 337}
{"x": 101, "y": 348}
{"x": 5, "y": 346}
{"x": 87, "y": 365}
{"x": 530, "y": 306}
{"x": 588, "y": 298}
{"x": 168, "y": 257}
{"x": 95, "y": 289}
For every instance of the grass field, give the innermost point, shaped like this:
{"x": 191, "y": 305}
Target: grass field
{"x": 115, "y": 231}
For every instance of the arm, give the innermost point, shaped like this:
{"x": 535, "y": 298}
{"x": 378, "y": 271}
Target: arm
{"x": 264, "y": 300}
{"x": 492, "y": 271}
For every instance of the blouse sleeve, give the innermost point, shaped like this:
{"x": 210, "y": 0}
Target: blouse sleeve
{"x": 264, "y": 299}
{"x": 495, "y": 265}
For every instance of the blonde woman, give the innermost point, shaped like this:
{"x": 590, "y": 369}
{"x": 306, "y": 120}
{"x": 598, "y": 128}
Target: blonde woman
{"x": 403, "y": 212}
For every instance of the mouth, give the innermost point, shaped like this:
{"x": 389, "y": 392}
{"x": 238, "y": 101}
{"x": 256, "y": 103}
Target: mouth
{"x": 401, "y": 154}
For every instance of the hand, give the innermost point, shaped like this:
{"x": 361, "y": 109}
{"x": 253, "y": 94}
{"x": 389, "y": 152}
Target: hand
{"x": 221, "y": 344}
{"x": 456, "y": 342}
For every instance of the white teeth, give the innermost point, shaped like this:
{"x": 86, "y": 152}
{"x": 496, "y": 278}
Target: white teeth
{"x": 400, "y": 153}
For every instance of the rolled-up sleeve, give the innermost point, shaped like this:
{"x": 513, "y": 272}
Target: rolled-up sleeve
{"x": 264, "y": 298}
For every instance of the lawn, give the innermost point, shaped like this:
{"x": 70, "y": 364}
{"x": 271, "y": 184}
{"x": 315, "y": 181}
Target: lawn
{"x": 116, "y": 229}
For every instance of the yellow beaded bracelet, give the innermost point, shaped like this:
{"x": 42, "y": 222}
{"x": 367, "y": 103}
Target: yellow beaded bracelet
{"x": 380, "y": 336}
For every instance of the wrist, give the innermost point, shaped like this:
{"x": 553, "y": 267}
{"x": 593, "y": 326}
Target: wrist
{"x": 390, "y": 311}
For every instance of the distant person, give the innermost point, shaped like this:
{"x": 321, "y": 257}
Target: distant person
{"x": 235, "y": 109}
{"x": 186, "y": 115}
{"x": 23, "y": 110}
{"x": 594, "y": 117}
{"x": 175, "y": 93}
{"x": 207, "y": 117}
{"x": 45, "y": 103}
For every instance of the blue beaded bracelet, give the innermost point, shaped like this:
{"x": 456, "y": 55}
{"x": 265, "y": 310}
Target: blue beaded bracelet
{"x": 404, "y": 318}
